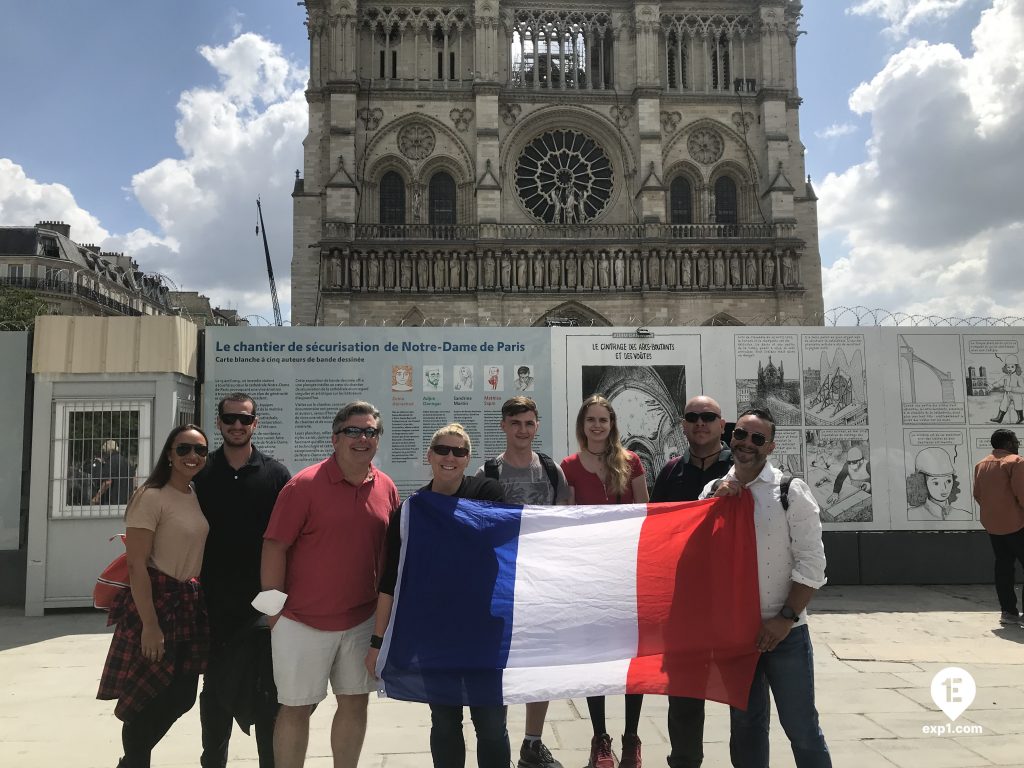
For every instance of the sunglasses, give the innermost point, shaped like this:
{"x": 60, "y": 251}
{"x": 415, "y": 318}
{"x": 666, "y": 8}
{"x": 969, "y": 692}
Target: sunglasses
{"x": 246, "y": 419}
{"x": 755, "y": 437}
{"x": 691, "y": 417}
{"x": 184, "y": 449}
{"x": 444, "y": 450}
{"x": 356, "y": 432}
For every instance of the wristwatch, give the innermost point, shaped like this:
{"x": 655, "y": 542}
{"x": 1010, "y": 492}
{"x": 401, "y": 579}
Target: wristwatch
{"x": 789, "y": 613}
{"x": 376, "y": 641}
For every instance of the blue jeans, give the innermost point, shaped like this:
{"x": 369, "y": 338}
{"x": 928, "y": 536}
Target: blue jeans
{"x": 448, "y": 747}
{"x": 789, "y": 672}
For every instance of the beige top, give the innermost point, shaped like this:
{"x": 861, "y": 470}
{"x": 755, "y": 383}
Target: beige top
{"x": 179, "y": 529}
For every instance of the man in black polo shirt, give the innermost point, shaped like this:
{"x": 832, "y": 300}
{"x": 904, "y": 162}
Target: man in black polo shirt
{"x": 237, "y": 489}
{"x": 706, "y": 458}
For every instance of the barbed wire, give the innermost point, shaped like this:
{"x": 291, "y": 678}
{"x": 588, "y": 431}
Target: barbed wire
{"x": 17, "y": 325}
{"x": 860, "y": 315}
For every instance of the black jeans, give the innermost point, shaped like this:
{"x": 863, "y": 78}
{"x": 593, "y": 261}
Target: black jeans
{"x": 1008, "y": 548}
{"x": 686, "y": 732}
{"x": 140, "y": 734}
{"x": 217, "y": 722}
{"x": 448, "y": 745}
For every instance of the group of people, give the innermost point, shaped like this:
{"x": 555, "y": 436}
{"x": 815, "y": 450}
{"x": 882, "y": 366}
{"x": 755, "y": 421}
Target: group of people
{"x": 325, "y": 544}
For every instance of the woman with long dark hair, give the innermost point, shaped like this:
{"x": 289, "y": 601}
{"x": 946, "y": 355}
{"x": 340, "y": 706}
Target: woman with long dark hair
{"x": 604, "y": 472}
{"x": 161, "y": 639}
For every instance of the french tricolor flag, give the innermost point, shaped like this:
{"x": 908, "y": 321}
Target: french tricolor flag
{"x": 508, "y": 604}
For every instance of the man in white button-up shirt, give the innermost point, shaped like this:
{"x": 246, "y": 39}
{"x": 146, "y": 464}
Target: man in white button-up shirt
{"x": 791, "y": 566}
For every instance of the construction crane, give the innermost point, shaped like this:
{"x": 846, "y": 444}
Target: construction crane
{"x": 270, "y": 267}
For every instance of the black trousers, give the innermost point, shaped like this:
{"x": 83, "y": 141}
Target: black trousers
{"x": 1008, "y": 548}
{"x": 217, "y": 722}
{"x": 140, "y": 734}
{"x": 686, "y": 732}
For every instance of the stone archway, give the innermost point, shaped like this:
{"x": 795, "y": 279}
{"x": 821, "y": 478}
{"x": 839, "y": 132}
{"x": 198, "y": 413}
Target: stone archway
{"x": 572, "y": 313}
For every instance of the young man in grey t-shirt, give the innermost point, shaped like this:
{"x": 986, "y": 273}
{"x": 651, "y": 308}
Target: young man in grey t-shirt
{"x": 528, "y": 477}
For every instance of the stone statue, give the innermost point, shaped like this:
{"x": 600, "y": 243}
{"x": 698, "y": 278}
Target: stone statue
{"x": 750, "y": 269}
{"x": 337, "y": 276}
{"x": 406, "y": 271}
{"x": 506, "y": 271}
{"x": 719, "y": 270}
{"x": 489, "y": 273}
{"x": 702, "y": 270}
{"x": 455, "y": 271}
{"x": 603, "y": 272}
{"x": 735, "y": 278}
{"x": 372, "y": 271}
{"x": 768, "y": 269}
{"x": 471, "y": 271}
{"x": 538, "y": 270}
{"x": 788, "y": 271}
{"x": 570, "y": 270}
{"x": 555, "y": 270}
{"x": 439, "y": 271}
{"x": 636, "y": 271}
{"x": 389, "y": 271}
{"x": 556, "y": 201}
{"x": 521, "y": 274}
{"x": 417, "y": 206}
{"x": 588, "y": 272}
{"x": 571, "y": 216}
{"x": 423, "y": 272}
{"x": 686, "y": 271}
{"x": 654, "y": 270}
{"x": 619, "y": 269}
{"x": 355, "y": 269}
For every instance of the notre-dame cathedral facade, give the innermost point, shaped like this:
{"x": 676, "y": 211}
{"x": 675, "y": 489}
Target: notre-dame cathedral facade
{"x": 518, "y": 163}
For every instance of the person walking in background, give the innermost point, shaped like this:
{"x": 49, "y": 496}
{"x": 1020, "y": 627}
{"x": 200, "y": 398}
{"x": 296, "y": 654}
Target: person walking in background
{"x": 323, "y": 548}
{"x": 237, "y": 489}
{"x": 603, "y": 472}
{"x": 115, "y": 476}
{"x": 527, "y": 477}
{"x": 448, "y": 457}
{"x": 999, "y": 491}
{"x": 683, "y": 479}
{"x": 161, "y": 639}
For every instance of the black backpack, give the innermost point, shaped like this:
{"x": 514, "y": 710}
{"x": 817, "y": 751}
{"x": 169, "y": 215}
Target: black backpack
{"x": 783, "y": 488}
{"x": 491, "y": 471}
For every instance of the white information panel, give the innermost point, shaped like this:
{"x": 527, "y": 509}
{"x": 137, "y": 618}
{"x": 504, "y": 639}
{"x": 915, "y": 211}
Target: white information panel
{"x": 884, "y": 424}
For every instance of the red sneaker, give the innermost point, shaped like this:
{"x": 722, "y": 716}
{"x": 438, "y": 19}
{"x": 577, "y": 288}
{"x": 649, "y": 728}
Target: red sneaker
{"x": 601, "y": 752}
{"x": 631, "y": 752}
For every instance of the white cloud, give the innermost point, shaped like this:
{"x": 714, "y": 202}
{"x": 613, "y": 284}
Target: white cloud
{"x": 836, "y": 130}
{"x": 901, "y": 15}
{"x": 932, "y": 221}
{"x": 238, "y": 140}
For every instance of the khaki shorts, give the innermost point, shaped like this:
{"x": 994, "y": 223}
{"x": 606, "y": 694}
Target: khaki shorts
{"x": 305, "y": 658}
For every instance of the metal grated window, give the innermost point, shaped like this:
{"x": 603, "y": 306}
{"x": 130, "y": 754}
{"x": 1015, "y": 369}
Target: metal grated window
{"x": 725, "y": 201}
{"x": 392, "y": 199}
{"x": 102, "y": 450}
{"x": 681, "y": 201}
{"x": 442, "y": 198}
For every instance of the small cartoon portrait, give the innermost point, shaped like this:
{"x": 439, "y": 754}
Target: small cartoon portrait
{"x": 524, "y": 378}
{"x": 433, "y": 378}
{"x": 933, "y": 487}
{"x": 463, "y": 378}
{"x": 401, "y": 378}
{"x": 495, "y": 379}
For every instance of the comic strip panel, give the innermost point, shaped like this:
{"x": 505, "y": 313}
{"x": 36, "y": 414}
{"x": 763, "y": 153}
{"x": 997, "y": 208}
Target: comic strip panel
{"x": 839, "y": 474}
{"x": 995, "y": 381}
{"x": 767, "y": 376}
{"x": 835, "y": 380}
{"x": 931, "y": 380}
{"x": 938, "y": 469}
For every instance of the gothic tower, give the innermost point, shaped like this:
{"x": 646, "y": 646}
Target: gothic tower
{"x": 514, "y": 163}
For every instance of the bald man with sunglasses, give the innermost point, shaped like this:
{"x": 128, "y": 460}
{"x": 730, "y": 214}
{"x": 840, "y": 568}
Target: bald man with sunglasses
{"x": 705, "y": 459}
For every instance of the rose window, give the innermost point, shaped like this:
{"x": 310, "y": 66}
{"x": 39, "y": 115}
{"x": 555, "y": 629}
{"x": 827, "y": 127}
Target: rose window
{"x": 564, "y": 177}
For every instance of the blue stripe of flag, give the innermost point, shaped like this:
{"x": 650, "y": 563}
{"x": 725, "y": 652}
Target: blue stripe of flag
{"x": 451, "y": 626}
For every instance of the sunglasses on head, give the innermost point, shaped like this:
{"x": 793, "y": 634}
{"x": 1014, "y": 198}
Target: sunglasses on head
{"x": 755, "y": 437}
{"x": 692, "y": 417}
{"x": 184, "y": 449}
{"x": 356, "y": 432}
{"x": 233, "y": 418}
{"x": 444, "y": 450}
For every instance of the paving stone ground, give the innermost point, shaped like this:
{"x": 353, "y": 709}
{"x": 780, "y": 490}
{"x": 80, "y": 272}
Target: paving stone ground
{"x": 876, "y": 651}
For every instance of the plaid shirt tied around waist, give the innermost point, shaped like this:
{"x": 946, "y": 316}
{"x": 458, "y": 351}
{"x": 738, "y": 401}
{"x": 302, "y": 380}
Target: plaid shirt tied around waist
{"x": 127, "y": 675}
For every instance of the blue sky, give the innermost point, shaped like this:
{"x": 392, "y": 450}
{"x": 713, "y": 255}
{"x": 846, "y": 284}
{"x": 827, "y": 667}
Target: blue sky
{"x": 151, "y": 127}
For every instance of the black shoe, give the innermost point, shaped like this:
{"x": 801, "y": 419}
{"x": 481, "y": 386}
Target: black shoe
{"x": 533, "y": 754}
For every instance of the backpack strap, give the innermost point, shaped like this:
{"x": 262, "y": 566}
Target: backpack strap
{"x": 491, "y": 469}
{"x": 784, "y": 489}
{"x": 552, "y": 472}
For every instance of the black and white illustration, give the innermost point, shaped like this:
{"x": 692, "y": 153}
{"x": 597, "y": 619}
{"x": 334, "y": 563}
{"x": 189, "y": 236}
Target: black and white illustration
{"x": 835, "y": 380}
{"x": 648, "y": 403}
{"x": 524, "y": 378}
{"x": 767, "y": 376}
{"x": 931, "y": 378}
{"x": 462, "y": 375}
{"x": 788, "y": 453}
{"x": 839, "y": 474}
{"x": 938, "y": 472}
{"x": 433, "y": 378}
{"x": 995, "y": 380}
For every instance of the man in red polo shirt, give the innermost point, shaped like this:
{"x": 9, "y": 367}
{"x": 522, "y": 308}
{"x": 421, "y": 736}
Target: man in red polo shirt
{"x": 323, "y": 548}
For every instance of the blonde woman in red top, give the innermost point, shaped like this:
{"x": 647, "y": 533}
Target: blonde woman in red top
{"x": 603, "y": 472}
